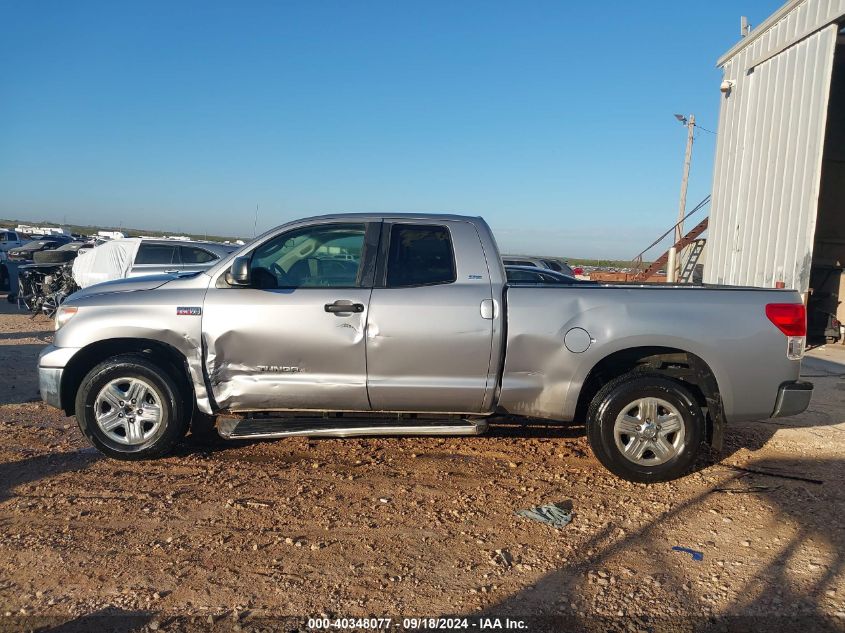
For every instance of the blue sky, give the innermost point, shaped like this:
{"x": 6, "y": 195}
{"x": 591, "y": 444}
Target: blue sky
{"x": 553, "y": 120}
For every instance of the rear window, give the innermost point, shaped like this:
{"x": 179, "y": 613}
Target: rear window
{"x": 156, "y": 254}
{"x": 420, "y": 255}
{"x": 194, "y": 255}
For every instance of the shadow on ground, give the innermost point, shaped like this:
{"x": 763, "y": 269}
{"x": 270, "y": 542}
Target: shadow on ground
{"x": 110, "y": 620}
{"x": 32, "y": 469}
{"x": 15, "y": 336}
{"x": 777, "y": 598}
{"x": 19, "y": 386}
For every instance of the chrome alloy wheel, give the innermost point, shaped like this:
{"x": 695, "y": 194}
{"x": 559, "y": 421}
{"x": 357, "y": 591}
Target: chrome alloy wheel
{"x": 128, "y": 410}
{"x": 649, "y": 431}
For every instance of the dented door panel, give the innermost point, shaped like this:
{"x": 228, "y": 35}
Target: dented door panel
{"x": 280, "y": 349}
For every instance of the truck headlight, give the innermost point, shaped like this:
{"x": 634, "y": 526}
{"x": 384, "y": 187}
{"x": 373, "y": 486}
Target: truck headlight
{"x": 65, "y": 314}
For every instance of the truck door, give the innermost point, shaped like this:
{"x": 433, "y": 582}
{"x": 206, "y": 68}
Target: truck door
{"x": 430, "y": 327}
{"x": 294, "y": 339}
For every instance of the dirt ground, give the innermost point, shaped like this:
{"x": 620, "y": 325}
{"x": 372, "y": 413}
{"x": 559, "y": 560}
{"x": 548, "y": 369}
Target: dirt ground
{"x": 228, "y": 535}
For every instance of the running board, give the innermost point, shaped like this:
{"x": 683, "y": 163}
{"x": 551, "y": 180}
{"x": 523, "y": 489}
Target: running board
{"x": 231, "y": 428}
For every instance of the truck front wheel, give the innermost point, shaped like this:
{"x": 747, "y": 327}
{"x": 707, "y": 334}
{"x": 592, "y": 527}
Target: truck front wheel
{"x": 645, "y": 427}
{"x": 130, "y": 408}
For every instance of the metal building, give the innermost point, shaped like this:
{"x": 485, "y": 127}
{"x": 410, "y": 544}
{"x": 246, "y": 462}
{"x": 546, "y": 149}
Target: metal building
{"x": 778, "y": 208}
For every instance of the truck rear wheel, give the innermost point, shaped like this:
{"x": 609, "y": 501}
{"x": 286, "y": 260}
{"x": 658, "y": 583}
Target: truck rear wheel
{"x": 130, "y": 408}
{"x": 645, "y": 427}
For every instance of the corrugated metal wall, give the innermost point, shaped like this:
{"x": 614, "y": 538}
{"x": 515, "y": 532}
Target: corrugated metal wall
{"x": 769, "y": 149}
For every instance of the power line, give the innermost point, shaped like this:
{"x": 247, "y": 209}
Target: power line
{"x": 704, "y": 129}
{"x": 701, "y": 204}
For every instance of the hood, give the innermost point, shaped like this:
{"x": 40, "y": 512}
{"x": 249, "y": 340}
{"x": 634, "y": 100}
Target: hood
{"x": 149, "y": 282}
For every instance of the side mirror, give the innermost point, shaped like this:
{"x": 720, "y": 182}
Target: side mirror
{"x": 238, "y": 274}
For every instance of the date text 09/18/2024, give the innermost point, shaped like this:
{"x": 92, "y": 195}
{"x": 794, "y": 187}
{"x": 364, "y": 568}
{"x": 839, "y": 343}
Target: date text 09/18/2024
{"x": 418, "y": 623}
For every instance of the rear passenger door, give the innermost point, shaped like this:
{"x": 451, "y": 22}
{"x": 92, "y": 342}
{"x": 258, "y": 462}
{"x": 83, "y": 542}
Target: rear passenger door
{"x": 154, "y": 259}
{"x": 430, "y": 327}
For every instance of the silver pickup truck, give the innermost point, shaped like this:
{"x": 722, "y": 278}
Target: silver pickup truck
{"x": 404, "y": 324}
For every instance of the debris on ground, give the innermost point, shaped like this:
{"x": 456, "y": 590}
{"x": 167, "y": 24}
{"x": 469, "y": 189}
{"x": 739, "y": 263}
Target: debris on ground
{"x": 747, "y": 489}
{"x": 501, "y": 558}
{"x": 771, "y": 473}
{"x": 696, "y": 555}
{"x": 557, "y": 515}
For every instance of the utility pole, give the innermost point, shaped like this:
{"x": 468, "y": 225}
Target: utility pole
{"x": 673, "y": 263}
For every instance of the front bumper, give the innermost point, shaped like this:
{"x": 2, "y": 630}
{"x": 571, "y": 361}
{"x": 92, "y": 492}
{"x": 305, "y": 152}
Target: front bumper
{"x": 51, "y": 364}
{"x": 50, "y": 385}
{"x": 793, "y": 398}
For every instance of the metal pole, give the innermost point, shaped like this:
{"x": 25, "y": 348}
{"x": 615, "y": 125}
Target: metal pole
{"x": 672, "y": 270}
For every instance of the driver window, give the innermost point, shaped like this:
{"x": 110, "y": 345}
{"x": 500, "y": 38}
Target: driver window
{"x": 323, "y": 256}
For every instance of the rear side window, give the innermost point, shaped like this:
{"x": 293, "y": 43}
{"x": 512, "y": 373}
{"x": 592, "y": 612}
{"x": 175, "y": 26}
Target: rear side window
{"x": 193, "y": 255}
{"x": 524, "y": 275}
{"x": 420, "y": 255}
{"x": 156, "y": 254}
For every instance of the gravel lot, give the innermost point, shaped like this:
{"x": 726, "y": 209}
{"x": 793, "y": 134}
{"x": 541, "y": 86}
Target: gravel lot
{"x": 233, "y": 535}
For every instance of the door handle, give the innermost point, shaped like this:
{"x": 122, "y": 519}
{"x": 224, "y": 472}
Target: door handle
{"x": 338, "y": 307}
{"x": 171, "y": 272}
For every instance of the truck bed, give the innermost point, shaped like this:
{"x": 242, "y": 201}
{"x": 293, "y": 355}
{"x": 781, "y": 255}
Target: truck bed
{"x": 725, "y": 326}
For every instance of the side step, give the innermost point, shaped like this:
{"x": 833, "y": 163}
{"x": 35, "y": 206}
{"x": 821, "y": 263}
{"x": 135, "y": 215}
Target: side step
{"x": 232, "y": 428}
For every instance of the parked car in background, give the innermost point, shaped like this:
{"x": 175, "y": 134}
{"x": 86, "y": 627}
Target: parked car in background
{"x": 137, "y": 257}
{"x": 10, "y": 239}
{"x": 535, "y": 275}
{"x": 170, "y": 256}
{"x": 26, "y": 252}
{"x": 538, "y": 262}
{"x": 44, "y": 284}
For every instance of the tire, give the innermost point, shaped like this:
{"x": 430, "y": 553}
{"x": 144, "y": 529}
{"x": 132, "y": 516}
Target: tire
{"x": 659, "y": 447}
{"x": 150, "y": 434}
{"x": 53, "y": 257}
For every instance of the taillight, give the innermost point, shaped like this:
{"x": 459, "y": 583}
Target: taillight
{"x": 791, "y": 319}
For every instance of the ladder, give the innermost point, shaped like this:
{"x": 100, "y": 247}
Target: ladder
{"x": 689, "y": 267}
{"x": 685, "y": 241}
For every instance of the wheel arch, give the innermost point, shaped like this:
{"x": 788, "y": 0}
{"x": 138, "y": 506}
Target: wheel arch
{"x": 675, "y": 363}
{"x": 173, "y": 361}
